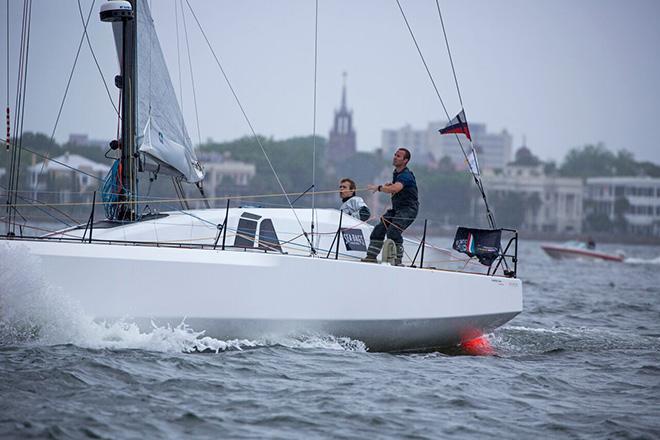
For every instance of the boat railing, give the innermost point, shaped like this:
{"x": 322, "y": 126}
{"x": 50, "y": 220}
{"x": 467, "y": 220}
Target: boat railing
{"x": 504, "y": 265}
{"x": 508, "y": 258}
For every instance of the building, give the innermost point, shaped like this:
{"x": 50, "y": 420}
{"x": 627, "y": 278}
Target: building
{"x": 83, "y": 140}
{"x": 66, "y": 175}
{"x": 552, "y": 203}
{"x": 494, "y": 149}
{"x": 223, "y": 175}
{"x": 635, "y": 199}
{"x": 407, "y": 137}
{"x": 341, "y": 143}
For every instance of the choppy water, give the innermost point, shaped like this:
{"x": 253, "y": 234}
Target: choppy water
{"x": 581, "y": 361}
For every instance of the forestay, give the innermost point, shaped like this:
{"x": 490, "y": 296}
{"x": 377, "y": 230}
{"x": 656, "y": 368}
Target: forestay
{"x": 161, "y": 131}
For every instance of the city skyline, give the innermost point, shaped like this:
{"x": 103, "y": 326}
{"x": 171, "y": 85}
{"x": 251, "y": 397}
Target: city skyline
{"x": 550, "y": 73}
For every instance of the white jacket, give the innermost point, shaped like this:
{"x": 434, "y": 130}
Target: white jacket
{"x": 355, "y": 207}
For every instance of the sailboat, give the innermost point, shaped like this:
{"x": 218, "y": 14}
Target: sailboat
{"x": 243, "y": 272}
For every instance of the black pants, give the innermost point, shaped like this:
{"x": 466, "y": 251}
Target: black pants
{"x": 392, "y": 224}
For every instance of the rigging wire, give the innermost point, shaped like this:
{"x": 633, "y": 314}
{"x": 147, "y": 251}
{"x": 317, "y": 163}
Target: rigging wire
{"x": 254, "y": 133}
{"x": 419, "y": 51}
{"x": 451, "y": 59}
{"x": 479, "y": 183}
{"x": 21, "y": 90}
{"x": 8, "y": 71}
{"x": 192, "y": 76}
{"x": 9, "y": 207}
{"x": 37, "y": 201}
{"x": 477, "y": 180}
{"x": 85, "y": 23}
{"x": 96, "y": 61}
{"x": 7, "y": 53}
{"x": 178, "y": 55}
{"x": 316, "y": 39}
{"x": 73, "y": 69}
{"x": 45, "y": 156}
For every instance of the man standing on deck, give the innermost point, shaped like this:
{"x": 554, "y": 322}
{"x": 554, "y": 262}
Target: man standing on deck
{"x": 405, "y": 205}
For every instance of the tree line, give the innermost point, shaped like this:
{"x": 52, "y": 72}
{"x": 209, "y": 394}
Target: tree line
{"x": 447, "y": 196}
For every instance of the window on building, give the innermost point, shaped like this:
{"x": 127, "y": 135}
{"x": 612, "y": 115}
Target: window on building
{"x": 570, "y": 204}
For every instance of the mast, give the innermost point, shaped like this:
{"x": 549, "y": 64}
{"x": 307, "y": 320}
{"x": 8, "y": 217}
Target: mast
{"x": 129, "y": 116}
{"x": 124, "y": 11}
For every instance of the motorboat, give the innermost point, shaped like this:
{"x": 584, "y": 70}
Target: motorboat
{"x": 581, "y": 251}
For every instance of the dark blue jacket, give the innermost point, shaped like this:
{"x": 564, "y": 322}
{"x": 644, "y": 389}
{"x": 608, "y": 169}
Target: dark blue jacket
{"x": 407, "y": 197}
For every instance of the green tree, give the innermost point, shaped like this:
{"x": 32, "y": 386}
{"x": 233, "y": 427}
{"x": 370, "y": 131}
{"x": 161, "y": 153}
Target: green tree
{"x": 445, "y": 196}
{"x": 550, "y": 168}
{"x": 649, "y": 169}
{"x": 625, "y": 164}
{"x": 446, "y": 165}
{"x": 596, "y": 160}
{"x": 508, "y": 208}
{"x": 362, "y": 167}
{"x": 589, "y": 161}
{"x": 291, "y": 159}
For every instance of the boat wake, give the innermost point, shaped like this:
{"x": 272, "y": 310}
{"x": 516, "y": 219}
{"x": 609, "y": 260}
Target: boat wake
{"x": 516, "y": 341}
{"x": 642, "y": 260}
{"x": 32, "y": 312}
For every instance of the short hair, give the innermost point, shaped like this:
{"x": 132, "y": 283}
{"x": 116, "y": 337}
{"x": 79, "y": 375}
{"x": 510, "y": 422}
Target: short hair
{"x": 406, "y": 153}
{"x": 351, "y": 184}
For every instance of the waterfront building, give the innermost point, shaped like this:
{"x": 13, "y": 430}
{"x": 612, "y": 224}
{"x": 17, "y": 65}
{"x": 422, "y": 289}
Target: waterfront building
{"x": 635, "y": 199}
{"x": 223, "y": 176}
{"x": 551, "y": 203}
{"x": 61, "y": 178}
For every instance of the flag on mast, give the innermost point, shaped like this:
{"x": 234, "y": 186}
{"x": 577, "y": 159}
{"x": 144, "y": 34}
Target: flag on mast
{"x": 457, "y": 125}
{"x": 473, "y": 163}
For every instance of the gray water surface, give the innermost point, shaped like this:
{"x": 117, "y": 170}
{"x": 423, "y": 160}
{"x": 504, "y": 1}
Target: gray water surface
{"x": 581, "y": 361}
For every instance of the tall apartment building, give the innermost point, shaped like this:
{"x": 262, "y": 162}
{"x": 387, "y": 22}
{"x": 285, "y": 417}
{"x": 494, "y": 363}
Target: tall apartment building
{"x": 494, "y": 149}
{"x": 406, "y": 136}
{"x": 637, "y": 199}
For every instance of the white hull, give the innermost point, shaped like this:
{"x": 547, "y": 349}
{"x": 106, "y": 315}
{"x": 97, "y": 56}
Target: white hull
{"x": 234, "y": 294}
{"x": 570, "y": 253}
{"x": 251, "y": 293}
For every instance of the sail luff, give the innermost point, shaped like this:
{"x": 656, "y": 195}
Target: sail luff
{"x": 160, "y": 132}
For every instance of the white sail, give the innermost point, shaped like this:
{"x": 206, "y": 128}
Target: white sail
{"x": 161, "y": 131}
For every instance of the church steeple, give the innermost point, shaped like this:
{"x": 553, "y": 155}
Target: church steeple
{"x": 341, "y": 143}
{"x": 343, "y": 93}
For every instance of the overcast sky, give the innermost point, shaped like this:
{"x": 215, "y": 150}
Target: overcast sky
{"x": 562, "y": 73}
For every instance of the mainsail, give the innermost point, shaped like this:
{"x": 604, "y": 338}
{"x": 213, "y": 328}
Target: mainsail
{"x": 161, "y": 131}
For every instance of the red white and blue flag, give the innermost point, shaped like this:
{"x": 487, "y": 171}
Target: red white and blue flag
{"x": 470, "y": 245}
{"x": 458, "y": 125}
